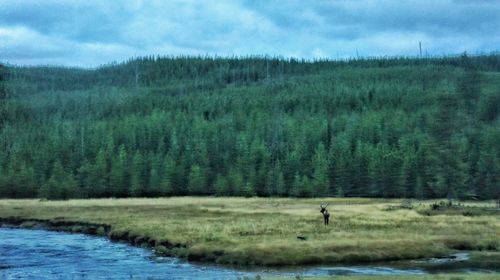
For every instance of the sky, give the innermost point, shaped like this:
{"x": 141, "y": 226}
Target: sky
{"x": 90, "y": 33}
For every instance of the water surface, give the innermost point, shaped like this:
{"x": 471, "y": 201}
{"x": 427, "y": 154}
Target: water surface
{"x": 40, "y": 254}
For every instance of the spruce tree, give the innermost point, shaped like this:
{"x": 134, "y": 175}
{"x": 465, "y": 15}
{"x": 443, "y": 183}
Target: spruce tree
{"x": 221, "y": 186}
{"x": 197, "y": 181}
{"x": 320, "y": 181}
{"x": 60, "y": 185}
{"x": 118, "y": 177}
{"x": 155, "y": 180}
{"x": 98, "y": 176}
{"x": 168, "y": 176}
{"x": 138, "y": 172}
{"x": 27, "y": 182}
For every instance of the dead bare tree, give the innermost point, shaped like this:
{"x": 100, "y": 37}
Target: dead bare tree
{"x": 326, "y": 215}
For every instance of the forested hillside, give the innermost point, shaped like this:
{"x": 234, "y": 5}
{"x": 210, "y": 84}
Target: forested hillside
{"x": 161, "y": 126}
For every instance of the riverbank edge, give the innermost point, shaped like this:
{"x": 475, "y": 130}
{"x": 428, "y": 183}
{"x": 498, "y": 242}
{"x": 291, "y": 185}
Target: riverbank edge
{"x": 163, "y": 248}
{"x": 104, "y": 230}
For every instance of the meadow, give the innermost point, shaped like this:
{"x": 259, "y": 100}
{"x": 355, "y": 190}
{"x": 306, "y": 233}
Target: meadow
{"x": 264, "y": 231}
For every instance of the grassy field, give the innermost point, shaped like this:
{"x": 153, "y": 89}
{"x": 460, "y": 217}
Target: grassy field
{"x": 263, "y": 231}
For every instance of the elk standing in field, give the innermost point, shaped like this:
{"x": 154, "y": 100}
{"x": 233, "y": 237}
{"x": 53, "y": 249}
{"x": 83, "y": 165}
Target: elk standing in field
{"x": 326, "y": 215}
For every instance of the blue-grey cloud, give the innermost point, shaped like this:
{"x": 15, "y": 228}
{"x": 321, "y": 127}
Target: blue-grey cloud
{"x": 94, "y": 32}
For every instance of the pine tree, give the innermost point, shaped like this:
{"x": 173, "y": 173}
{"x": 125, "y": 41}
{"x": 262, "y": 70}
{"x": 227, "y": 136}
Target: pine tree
{"x": 271, "y": 183}
{"x": 197, "y": 181}
{"x": 275, "y": 182}
{"x": 386, "y": 172}
{"x": 118, "y": 177}
{"x": 291, "y": 166}
{"x": 470, "y": 89}
{"x": 427, "y": 164}
{"x": 98, "y": 176}
{"x": 281, "y": 189}
{"x": 450, "y": 179}
{"x": 488, "y": 170}
{"x": 451, "y": 171}
{"x": 320, "y": 182}
{"x": 251, "y": 180}
{"x": 26, "y": 179}
{"x": 248, "y": 190}
{"x": 7, "y": 188}
{"x": 155, "y": 180}
{"x": 41, "y": 166}
{"x": 236, "y": 183}
{"x": 361, "y": 176}
{"x": 3, "y": 182}
{"x": 258, "y": 158}
{"x": 301, "y": 186}
{"x": 83, "y": 179}
{"x": 3, "y": 78}
{"x": 61, "y": 185}
{"x": 295, "y": 191}
{"x": 221, "y": 187}
{"x": 340, "y": 162}
{"x": 138, "y": 179}
{"x": 168, "y": 176}
{"x": 409, "y": 176}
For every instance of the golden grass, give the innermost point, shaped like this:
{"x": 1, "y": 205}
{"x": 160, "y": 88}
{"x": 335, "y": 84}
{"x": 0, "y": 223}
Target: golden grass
{"x": 263, "y": 231}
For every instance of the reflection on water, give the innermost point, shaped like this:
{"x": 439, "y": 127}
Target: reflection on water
{"x": 39, "y": 254}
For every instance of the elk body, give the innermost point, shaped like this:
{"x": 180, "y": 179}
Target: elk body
{"x": 326, "y": 215}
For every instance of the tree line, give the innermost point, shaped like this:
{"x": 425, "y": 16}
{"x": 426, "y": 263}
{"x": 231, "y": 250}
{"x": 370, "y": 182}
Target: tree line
{"x": 163, "y": 126}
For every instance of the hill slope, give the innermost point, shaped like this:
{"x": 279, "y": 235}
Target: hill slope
{"x": 157, "y": 126}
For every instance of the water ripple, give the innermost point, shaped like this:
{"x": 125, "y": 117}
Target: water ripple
{"x": 39, "y": 254}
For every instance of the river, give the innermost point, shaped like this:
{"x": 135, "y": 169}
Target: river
{"x": 40, "y": 254}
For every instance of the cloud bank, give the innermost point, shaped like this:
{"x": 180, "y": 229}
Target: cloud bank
{"x": 94, "y": 32}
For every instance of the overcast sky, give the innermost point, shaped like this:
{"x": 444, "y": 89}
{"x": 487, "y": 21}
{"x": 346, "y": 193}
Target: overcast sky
{"x": 95, "y": 32}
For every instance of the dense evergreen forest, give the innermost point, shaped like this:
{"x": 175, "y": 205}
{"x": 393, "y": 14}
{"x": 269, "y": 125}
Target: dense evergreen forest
{"x": 162, "y": 126}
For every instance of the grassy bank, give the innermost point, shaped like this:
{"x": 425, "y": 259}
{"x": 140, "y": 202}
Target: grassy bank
{"x": 264, "y": 231}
